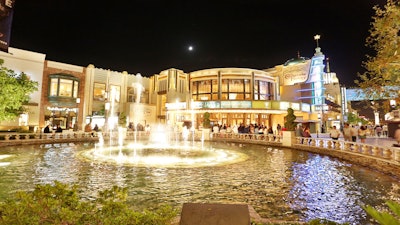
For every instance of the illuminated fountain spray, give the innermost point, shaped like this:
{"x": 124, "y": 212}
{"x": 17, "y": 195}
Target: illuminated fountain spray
{"x": 137, "y": 107}
{"x": 157, "y": 149}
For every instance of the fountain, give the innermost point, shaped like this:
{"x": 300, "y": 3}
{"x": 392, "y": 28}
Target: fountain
{"x": 158, "y": 148}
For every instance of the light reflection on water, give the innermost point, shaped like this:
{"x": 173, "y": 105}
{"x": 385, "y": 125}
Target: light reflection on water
{"x": 278, "y": 183}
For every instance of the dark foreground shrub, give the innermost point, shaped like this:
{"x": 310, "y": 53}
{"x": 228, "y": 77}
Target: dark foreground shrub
{"x": 387, "y": 216}
{"x": 61, "y": 204}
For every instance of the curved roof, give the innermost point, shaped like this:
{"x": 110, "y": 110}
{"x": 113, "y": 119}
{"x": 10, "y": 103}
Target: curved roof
{"x": 295, "y": 61}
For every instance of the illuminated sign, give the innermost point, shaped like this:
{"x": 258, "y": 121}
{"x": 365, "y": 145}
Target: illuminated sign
{"x": 297, "y": 73}
{"x": 61, "y": 109}
{"x": 295, "y": 106}
{"x": 261, "y": 105}
{"x": 177, "y": 105}
{"x": 236, "y": 104}
{"x": 211, "y": 104}
{"x": 305, "y": 107}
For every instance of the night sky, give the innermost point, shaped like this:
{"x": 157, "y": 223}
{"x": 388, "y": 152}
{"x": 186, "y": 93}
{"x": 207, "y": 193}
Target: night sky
{"x": 148, "y": 36}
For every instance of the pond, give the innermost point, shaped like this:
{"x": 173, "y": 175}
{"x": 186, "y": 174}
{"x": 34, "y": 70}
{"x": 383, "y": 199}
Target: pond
{"x": 282, "y": 184}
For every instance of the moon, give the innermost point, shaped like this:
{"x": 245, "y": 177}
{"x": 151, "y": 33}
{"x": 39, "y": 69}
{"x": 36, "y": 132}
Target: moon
{"x": 190, "y": 48}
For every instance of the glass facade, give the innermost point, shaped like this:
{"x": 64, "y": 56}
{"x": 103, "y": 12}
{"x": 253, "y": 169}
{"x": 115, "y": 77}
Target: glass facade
{"x": 232, "y": 89}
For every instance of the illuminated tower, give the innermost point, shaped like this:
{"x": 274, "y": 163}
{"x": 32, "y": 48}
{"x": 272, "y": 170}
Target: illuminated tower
{"x": 316, "y": 79}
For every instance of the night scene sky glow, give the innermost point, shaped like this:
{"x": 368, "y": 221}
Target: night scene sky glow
{"x": 148, "y": 36}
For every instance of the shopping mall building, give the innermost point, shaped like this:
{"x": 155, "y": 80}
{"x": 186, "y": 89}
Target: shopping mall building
{"x": 72, "y": 96}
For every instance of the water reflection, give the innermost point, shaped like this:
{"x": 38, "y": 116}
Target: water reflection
{"x": 278, "y": 183}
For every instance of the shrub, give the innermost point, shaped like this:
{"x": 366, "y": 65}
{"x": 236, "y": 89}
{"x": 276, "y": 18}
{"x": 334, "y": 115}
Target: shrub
{"x": 61, "y": 204}
{"x": 289, "y": 120}
{"x": 385, "y": 218}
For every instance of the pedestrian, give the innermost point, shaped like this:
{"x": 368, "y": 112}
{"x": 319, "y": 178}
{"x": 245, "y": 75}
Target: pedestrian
{"x": 354, "y": 132}
{"x": 47, "y": 129}
{"x": 397, "y": 137}
{"x": 279, "y": 129}
{"x": 362, "y": 133}
{"x": 88, "y": 127}
{"x": 385, "y": 130}
{"x": 347, "y": 132}
{"x": 58, "y": 129}
{"x": 96, "y": 128}
{"x": 306, "y": 132}
{"x": 334, "y": 133}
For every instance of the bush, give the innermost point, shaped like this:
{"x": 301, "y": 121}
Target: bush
{"x": 61, "y": 204}
{"x": 289, "y": 120}
{"x": 386, "y": 218}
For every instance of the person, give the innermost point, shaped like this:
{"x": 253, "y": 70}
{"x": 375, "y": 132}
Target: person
{"x": 279, "y": 129}
{"x": 397, "y": 137}
{"x": 378, "y": 130}
{"x": 58, "y": 129}
{"x": 306, "y": 132}
{"x": 88, "y": 128}
{"x": 362, "y": 133}
{"x": 334, "y": 133}
{"x": 347, "y": 132}
{"x": 353, "y": 132}
{"x": 96, "y": 128}
{"x": 47, "y": 129}
{"x": 385, "y": 130}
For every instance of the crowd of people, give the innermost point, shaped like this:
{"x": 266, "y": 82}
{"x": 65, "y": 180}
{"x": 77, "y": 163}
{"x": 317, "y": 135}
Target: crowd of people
{"x": 247, "y": 129}
{"x": 349, "y": 132}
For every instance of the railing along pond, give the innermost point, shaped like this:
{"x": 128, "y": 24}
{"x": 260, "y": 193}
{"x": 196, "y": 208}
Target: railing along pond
{"x": 387, "y": 154}
{"x": 13, "y": 138}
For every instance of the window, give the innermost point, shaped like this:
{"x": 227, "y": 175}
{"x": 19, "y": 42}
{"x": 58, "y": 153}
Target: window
{"x": 235, "y": 89}
{"x": 205, "y": 90}
{"x": 63, "y": 85}
{"x": 134, "y": 95}
{"x": 263, "y": 90}
{"x": 99, "y": 91}
{"x": 162, "y": 85}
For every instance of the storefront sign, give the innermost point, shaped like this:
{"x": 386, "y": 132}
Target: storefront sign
{"x": 61, "y": 109}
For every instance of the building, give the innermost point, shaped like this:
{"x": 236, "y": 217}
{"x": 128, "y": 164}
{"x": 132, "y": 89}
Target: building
{"x": 72, "y": 96}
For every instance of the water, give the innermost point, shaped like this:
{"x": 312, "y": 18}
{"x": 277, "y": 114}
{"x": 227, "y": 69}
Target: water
{"x": 280, "y": 184}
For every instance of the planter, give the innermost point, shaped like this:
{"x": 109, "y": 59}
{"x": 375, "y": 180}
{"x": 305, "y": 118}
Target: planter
{"x": 288, "y": 138}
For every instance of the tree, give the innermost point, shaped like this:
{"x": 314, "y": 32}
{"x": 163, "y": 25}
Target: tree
{"x": 14, "y": 92}
{"x": 381, "y": 78}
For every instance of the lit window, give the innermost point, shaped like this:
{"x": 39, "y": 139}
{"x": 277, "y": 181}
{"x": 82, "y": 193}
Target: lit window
{"x": 63, "y": 85}
{"x": 99, "y": 91}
